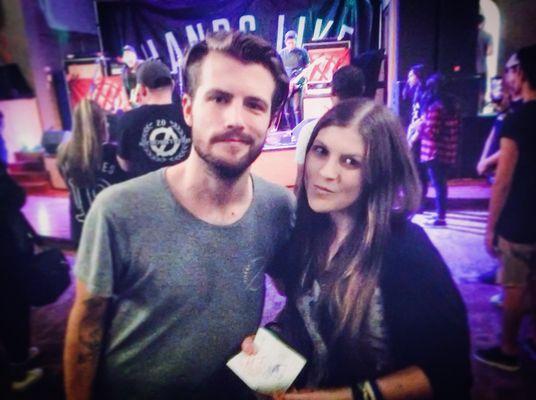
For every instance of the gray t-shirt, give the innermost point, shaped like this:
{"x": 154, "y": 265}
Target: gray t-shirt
{"x": 375, "y": 333}
{"x": 183, "y": 293}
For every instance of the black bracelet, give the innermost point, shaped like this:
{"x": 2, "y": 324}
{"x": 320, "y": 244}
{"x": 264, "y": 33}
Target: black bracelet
{"x": 357, "y": 391}
{"x": 376, "y": 390}
{"x": 367, "y": 390}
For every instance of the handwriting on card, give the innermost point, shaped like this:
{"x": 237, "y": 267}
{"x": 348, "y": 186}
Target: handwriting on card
{"x": 272, "y": 369}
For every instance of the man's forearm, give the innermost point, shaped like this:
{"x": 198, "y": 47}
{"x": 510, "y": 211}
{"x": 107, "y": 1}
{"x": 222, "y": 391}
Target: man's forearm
{"x": 83, "y": 346}
{"x": 499, "y": 194}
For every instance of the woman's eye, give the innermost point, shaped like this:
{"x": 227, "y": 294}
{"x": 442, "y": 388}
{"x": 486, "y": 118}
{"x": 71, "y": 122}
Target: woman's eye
{"x": 319, "y": 150}
{"x": 350, "y": 162}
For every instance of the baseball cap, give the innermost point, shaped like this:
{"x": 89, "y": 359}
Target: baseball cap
{"x": 129, "y": 48}
{"x": 153, "y": 74}
{"x": 290, "y": 35}
{"x": 513, "y": 61}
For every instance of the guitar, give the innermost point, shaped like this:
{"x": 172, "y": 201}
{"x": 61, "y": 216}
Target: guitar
{"x": 298, "y": 81}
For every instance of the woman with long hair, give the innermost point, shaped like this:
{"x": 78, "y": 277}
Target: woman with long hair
{"x": 87, "y": 161}
{"x": 370, "y": 302}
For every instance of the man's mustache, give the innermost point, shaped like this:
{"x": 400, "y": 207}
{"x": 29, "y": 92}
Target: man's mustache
{"x": 232, "y": 135}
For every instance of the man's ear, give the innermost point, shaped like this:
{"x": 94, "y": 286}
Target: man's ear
{"x": 142, "y": 90}
{"x": 187, "y": 103}
{"x": 522, "y": 76}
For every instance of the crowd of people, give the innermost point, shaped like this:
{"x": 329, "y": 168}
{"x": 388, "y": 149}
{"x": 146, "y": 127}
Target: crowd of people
{"x": 175, "y": 234}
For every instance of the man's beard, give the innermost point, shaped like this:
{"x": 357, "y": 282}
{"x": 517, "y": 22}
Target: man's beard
{"x": 225, "y": 170}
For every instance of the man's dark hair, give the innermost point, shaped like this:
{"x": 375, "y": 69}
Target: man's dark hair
{"x": 527, "y": 63}
{"x": 480, "y": 19}
{"x": 154, "y": 74}
{"x": 348, "y": 82}
{"x": 437, "y": 90}
{"x": 244, "y": 47}
{"x": 418, "y": 70}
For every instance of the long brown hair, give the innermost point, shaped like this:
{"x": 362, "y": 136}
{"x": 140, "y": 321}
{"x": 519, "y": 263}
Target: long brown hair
{"x": 390, "y": 189}
{"x": 81, "y": 155}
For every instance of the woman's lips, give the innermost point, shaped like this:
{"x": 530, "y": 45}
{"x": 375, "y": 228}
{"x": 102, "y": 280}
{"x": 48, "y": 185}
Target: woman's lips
{"x": 322, "y": 189}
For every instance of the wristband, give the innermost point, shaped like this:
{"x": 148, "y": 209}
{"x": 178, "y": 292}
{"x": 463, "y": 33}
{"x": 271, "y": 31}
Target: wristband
{"x": 375, "y": 390}
{"x": 367, "y": 390}
{"x": 357, "y": 392}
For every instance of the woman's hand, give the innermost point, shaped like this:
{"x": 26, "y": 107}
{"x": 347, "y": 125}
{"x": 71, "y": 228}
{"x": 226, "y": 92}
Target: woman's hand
{"x": 308, "y": 394}
{"x": 248, "y": 346}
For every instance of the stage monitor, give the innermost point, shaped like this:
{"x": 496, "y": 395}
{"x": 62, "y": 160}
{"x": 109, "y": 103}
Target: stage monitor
{"x": 91, "y": 78}
{"x": 316, "y": 106}
{"x": 326, "y": 58}
{"x": 329, "y": 57}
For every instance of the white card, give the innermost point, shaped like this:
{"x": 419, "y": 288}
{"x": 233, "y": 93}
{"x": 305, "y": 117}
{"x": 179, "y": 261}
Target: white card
{"x": 272, "y": 369}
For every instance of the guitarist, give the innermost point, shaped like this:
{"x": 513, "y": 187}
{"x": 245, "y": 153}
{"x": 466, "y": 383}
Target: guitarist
{"x": 128, "y": 73}
{"x": 295, "y": 59}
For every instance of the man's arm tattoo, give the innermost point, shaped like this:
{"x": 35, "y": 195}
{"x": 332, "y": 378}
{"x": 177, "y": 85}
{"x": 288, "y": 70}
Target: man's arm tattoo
{"x": 90, "y": 339}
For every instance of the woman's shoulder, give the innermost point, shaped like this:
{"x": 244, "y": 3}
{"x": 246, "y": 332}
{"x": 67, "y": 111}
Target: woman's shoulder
{"x": 410, "y": 250}
{"x": 412, "y": 264}
{"x": 404, "y": 231}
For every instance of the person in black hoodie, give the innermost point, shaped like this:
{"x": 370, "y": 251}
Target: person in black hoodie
{"x": 16, "y": 251}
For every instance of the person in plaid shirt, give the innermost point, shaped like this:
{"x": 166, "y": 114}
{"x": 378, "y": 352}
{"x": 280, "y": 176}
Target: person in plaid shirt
{"x": 438, "y": 128}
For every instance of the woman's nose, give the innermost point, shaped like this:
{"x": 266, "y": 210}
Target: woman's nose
{"x": 329, "y": 168}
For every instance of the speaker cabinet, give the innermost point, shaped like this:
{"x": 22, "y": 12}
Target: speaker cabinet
{"x": 316, "y": 106}
{"x": 13, "y": 85}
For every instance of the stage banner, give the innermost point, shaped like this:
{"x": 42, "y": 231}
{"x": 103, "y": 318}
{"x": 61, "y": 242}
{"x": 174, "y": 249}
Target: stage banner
{"x": 166, "y": 29}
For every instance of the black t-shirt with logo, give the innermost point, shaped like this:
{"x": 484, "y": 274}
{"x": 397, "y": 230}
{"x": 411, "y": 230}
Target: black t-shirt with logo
{"x": 81, "y": 197}
{"x": 517, "y": 222}
{"x": 153, "y": 136}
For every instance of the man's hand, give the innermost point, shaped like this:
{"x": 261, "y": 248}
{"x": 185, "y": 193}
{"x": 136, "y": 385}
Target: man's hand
{"x": 124, "y": 164}
{"x": 414, "y": 131}
{"x": 489, "y": 242}
{"x": 482, "y": 167}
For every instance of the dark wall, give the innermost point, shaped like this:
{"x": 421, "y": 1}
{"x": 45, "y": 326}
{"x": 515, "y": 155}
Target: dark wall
{"x": 440, "y": 34}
